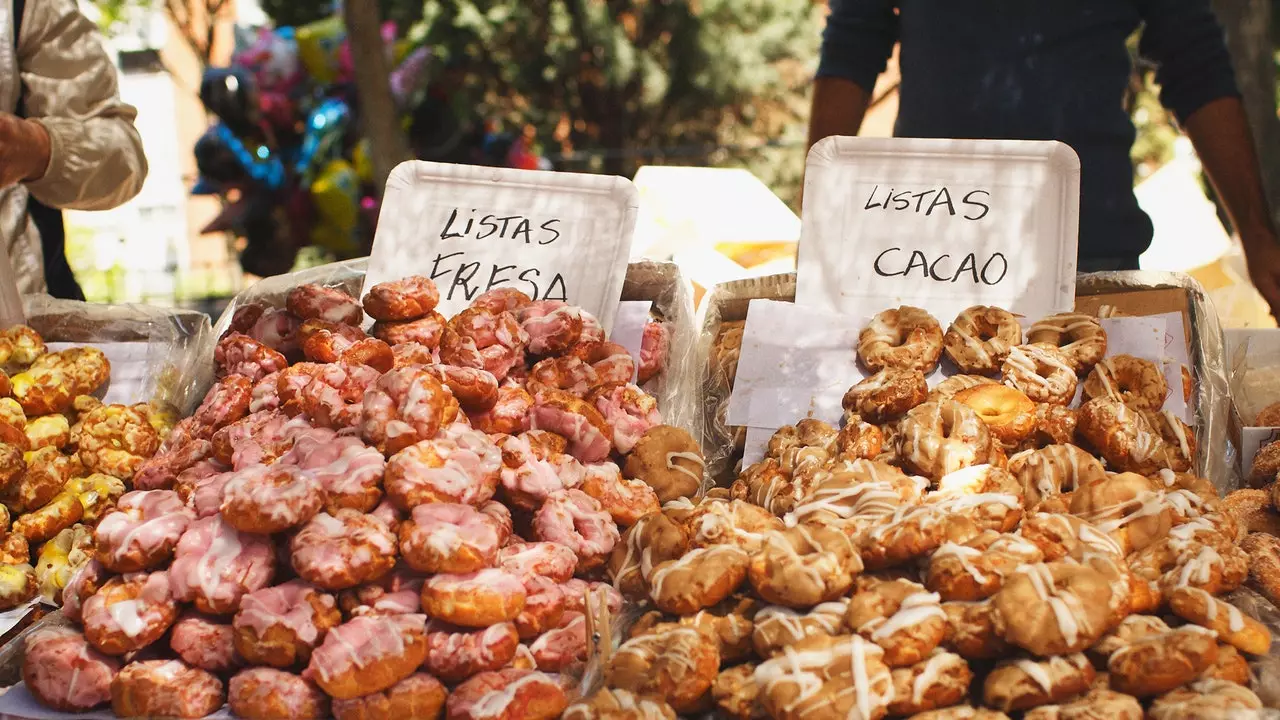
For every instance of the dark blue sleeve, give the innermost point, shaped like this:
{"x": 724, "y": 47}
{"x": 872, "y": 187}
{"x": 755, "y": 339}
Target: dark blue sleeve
{"x": 1184, "y": 37}
{"x": 858, "y": 40}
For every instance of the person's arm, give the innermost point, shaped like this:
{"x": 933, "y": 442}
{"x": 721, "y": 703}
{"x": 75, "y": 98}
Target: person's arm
{"x": 94, "y": 155}
{"x": 1221, "y": 135}
{"x": 1199, "y": 86}
{"x": 855, "y": 48}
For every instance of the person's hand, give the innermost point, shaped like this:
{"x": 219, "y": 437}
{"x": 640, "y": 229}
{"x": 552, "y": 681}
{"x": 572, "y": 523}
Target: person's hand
{"x": 24, "y": 150}
{"x": 1262, "y": 254}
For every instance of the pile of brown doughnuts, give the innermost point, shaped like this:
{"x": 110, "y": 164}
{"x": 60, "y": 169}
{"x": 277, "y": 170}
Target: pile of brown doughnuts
{"x": 970, "y": 551}
{"x": 408, "y": 522}
{"x": 65, "y": 459}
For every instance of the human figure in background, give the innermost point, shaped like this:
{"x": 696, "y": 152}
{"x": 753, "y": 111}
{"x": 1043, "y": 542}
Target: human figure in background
{"x": 66, "y": 139}
{"x": 1057, "y": 70}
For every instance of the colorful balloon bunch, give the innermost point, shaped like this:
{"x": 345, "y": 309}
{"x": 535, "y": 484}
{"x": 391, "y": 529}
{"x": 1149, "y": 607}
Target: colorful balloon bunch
{"x": 286, "y": 155}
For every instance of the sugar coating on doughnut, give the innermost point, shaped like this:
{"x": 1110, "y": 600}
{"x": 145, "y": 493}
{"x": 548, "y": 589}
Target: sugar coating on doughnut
{"x": 626, "y": 501}
{"x": 165, "y": 688}
{"x": 343, "y": 550}
{"x": 511, "y": 693}
{"x": 454, "y": 654}
{"x": 627, "y": 409}
{"x": 282, "y": 497}
{"x": 403, "y": 407}
{"x": 1041, "y": 372}
{"x": 590, "y": 437}
{"x": 531, "y": 473}
{"x": 559, "y": 648}
{"x": 349, "y": 470}
{"x": 417, "y": 696}
{"x": 574, "y": 519}
{"x": 203, "y": 643}
{"x": 981, "y": 337}
{"x": 548, "y": 559}
{"x": 251, "y": 692}
{"x": 64, "y": 672}
{"x": 450, "y": 537}
{"x": 474, "y": 599}
{"x": 142, "y": 531}
{"x": 288, "y": 606}
{"x": 216, "y": 565}
{"x": 905, "y": 337}
{"x": 463, "y": 470}
{"x": 552, "y": 326}
{"x": 363, "y": 642}
{"x": 129, "y": 612}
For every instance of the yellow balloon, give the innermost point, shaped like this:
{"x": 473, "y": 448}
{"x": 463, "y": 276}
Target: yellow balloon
{"x": 335, "y": 194}
{"x": 318, "y": 47}
{"x": 360, "y": 159}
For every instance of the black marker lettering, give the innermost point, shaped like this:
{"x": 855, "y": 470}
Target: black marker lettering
{"x": 436, "y": 272}
{"x": 549, "y": 226}
{"x": 944, "y": 199}
{"x": 494, "y": 280}
{"x": 522, "y": 228}
{"x": 445, "y": 234}
{"x": 533, "y": 293}
{"x": 556, "y": 291}
{"x": 968, "y": 263}
{"x": 1004, "y": 269}
{"x": 870, "y": 205}
{"x": 923, "y": 264}
{"x": 933, "y": 268}
{"x": 901, "y": 201}
{"x": 466, "y": 271}
{"x": 487, "y": 223}
{"x": 876, "y": 265}
{"x": 969, "y": 200}
{"x": 920, "y": 196}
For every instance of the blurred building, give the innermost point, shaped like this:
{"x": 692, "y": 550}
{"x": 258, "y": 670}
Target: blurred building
{"x": 150, "y": 250}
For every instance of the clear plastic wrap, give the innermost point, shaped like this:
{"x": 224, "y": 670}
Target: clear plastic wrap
{"x": 728, "y": 302}
{"x": 1208, "y": 355}
{"x": 656, "y": 282}
{"x": 676, "y": 388}
{"x": 166, "y": 350}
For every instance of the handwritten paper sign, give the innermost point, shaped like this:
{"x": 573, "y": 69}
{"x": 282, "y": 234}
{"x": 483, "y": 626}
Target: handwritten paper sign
{"x": 553, "y": 236}
{"x": 939, "y": 224}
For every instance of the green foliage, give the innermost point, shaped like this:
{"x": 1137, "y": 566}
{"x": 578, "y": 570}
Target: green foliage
{"x": 292, "y": 13}
{"x": 609, "y": 85}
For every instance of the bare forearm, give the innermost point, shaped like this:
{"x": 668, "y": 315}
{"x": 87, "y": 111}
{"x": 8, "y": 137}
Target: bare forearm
{"x": 1221, "y": 135}
{"x": 838, "y": 108}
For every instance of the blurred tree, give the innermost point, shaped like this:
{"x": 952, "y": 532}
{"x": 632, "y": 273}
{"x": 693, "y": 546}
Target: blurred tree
{"x": 292, "y": 13}
{"x": 607, "y": 85}
{"x": 195, "y": 20}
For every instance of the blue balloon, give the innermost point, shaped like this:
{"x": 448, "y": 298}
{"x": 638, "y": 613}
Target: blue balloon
{"x": 322, "y": 138}
{"x": 221, "y": 157}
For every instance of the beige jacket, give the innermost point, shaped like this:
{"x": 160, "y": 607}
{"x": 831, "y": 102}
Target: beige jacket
{"x": 70, "y": 87}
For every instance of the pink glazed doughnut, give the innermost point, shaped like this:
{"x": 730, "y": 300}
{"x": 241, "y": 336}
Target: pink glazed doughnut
{"x": 349, "y": 471}
{"x": 343, "y": 550}
{"x": 204, "y": 643}
{"x": 455, "y": 654}
{"x": 453, "y": 538}
{"x": 215, "y": 565}
{"x": 461, "y": 470}
{"x": 142, "y": 532}
{"x": 575, "y": 519}
{"x": 563, "y": 647}
{"x": 280, "y": 626}
{"x": 532, "y": 471}
{"x": 271, "y": 501}
{"x": 553, "y": 326}
{"x": 64, "y": 673}
{"x": 629, "y": 410}
{"x": 590, "y": 437}
{"x": 545, "y": 559}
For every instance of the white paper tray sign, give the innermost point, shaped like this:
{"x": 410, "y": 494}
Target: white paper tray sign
{"x": 551, "y": 235}
{"x": 939, "y": 224}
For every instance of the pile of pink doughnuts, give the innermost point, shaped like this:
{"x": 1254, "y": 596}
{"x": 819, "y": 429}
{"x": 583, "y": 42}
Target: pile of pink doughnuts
{"x": 412, "y": 521}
